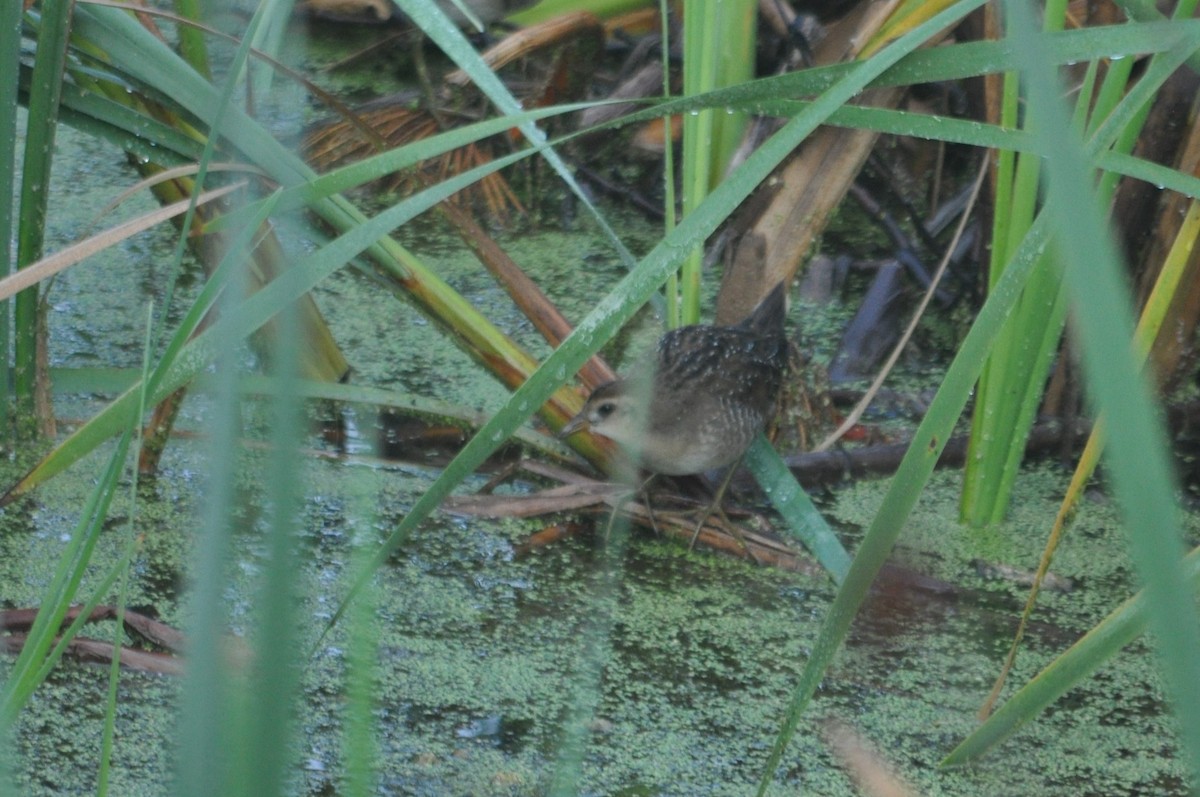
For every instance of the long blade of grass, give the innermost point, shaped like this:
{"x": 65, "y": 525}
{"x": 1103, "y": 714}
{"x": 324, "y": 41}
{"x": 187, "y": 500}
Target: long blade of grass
{"x": 596, "y": 653}
{"x": 10, "y": 58}
{"x": 242, "y": 755}
{"x": 360, "y": 749}
{"x": 77, "y": 252}
{"x": 131, "y": 545}
{"x": 718, "y": 45}
{"x": 971, "y": 59}
{"x": 44, "y": 93}
{"x": 272, "y": 689}
{"x": 207, "y": 719}
{"x": 921, "y": 66}
{"x": 1145, "y": 11}
{"x": 1095, "y": 649}
{"x": 33, "y": 661}
{"x": 802, "y": 517}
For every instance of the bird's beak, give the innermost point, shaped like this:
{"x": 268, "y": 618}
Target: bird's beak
{"x": 572, "y": 426}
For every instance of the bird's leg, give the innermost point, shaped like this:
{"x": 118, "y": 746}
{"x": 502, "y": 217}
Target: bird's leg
{"x": 622, "y": 500}
{"x": 645, "y": 493}
{"x": 612, "y": 519}
{"x": 634, "y": 492}
{"x": 715, "y": 506}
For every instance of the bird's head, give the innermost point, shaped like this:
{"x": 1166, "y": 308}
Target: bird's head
{"x": 613, "y": 411}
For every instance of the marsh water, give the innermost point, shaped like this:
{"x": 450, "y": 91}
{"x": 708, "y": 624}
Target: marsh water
{"x": 482, "y": 651}
{"x": 687, "y": 659}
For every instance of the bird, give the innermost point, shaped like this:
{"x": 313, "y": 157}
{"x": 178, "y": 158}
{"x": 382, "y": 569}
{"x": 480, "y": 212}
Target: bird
{"x": 700, "y": 399}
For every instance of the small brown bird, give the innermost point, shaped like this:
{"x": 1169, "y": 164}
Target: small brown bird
{"x": 701, "y": 400}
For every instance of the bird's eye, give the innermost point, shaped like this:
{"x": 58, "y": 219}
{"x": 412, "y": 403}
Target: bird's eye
{"x": 606, "y": 409}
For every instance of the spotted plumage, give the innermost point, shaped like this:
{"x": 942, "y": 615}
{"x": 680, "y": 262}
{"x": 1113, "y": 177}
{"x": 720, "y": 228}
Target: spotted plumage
{"x": 704, "y": 395}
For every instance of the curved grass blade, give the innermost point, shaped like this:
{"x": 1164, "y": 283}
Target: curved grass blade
{"x": 122, "y": 589}
{"x": 41, "y": 125}
{"x": 34, "y": 662}
{"x": 77, "y": 252}
{"x": 10, "y": 59}
{"x": 796, "y": 508}
{"x": 20, "y": 691}
{"x": 1095, "y": 649}
{"x": 921, "y": 66}
{"x": 239, "y": 322}
{"x": 133, "y": 132}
